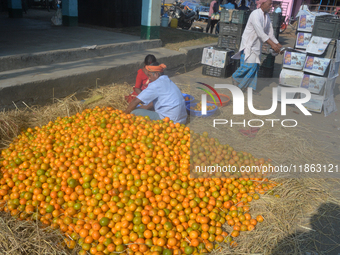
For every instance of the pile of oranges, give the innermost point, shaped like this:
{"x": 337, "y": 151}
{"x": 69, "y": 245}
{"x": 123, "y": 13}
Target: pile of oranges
{"x": 198, "y": 107}
{"x": 118, "y": 183}
{"x": 187, "y": 98}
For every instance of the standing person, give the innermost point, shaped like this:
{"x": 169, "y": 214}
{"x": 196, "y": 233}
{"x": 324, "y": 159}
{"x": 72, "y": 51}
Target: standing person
{"x": 229, "y": 5}
{"x": 304, "y": 6}
{"x": 252, "y": 5}
{"x": 243, "y": 6}
{"x": 235, "y": 4}
{"x": 24, "y": 6}
{"x": 142, "y": 80}
{"x": 277, "y": 7}
{"x": 258, "y": 30}
{"x": 214, "y": 7}
{"x": 162, "y": 94}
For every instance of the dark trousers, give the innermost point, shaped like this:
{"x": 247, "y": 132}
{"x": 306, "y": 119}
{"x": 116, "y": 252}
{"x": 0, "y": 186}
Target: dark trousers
{"x": 211, "y": 25}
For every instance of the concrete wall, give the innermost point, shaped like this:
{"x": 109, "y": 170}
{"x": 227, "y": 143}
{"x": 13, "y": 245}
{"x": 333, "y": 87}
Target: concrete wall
{"x": 110, "y": 13}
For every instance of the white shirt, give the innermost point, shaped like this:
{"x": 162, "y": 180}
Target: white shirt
{"x": 167, "y": 99}
{"x": 258, "y": 30}
{"x": 304, "y": 8}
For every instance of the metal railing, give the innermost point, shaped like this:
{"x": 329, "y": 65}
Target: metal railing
{"x": 322, "y": 8}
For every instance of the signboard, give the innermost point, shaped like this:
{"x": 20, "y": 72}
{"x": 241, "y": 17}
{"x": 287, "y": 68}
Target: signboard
{"x": 316, "y": 65}
{"x": 214, "y": 57}
{"x": 306, "y": 23}
{"x": 294, "y": 60}
{"x": 302, "y": 40}
{"x": 318, "y": 45}
{"x": 313, "y": 83}
{"x": 291, "y": 78}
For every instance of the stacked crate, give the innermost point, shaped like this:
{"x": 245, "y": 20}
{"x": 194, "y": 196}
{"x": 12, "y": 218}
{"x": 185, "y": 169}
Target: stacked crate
{"x": 231, "y": 30}
{"x": 267, "y": 59}
{"x": 218, "y": 67}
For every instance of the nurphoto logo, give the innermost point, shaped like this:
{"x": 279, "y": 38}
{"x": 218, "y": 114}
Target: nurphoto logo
{"x": 238, "y": 104}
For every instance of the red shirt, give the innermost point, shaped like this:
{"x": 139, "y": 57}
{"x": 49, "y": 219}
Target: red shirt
{"x": 142, "y": 80}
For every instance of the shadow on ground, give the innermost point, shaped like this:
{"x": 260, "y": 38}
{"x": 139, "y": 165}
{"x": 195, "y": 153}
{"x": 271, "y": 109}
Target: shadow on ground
{"x": 323, "y": 238}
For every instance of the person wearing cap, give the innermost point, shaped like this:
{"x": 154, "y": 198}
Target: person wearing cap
{"x": 258, "y": 30}
{"x": 162, "y": 94}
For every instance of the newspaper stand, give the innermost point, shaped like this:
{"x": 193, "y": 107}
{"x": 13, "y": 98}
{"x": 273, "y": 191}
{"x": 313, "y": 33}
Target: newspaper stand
{"x": 313, "y": 64}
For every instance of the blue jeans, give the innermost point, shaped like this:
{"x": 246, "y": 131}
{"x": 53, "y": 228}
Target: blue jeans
{"x": 142, "y": 112}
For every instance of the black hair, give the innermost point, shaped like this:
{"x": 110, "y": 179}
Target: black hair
{"x": 243, "y": 2}
{"x": 149, "y": 59}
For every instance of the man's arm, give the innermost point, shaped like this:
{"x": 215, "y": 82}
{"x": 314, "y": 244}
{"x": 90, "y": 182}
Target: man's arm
{"x": 138, "y": 90}
{"x": 147, "y": 107}
{"x": 132, "y": 105}
{"x": 262, "y": 35}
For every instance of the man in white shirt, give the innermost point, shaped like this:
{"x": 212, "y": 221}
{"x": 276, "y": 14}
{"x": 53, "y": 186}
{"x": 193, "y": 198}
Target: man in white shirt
{"x": 162, "y": 94}
{"x": 258, "y": 30}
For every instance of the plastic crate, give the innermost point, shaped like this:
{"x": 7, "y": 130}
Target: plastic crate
{"x": 229, "y": 42}
{"x": 265, "y": 72}
{"x": 238, "y": 16}
{"x": 231, "y": 29}
{"x": 267, "y": 60}
{"x": 328, "y": 27}
{"x": 276, "y": 19}
{"x": 218, "y": 72}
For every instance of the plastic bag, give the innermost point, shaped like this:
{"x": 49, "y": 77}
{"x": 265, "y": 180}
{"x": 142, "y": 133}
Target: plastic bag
{"x": 57, "y": 20}
{"x": 215, "y": 16}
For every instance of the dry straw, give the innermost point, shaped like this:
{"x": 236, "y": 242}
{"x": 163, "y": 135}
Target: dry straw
{"x": 289, "y": 226}
{"x": 27, "y": 237}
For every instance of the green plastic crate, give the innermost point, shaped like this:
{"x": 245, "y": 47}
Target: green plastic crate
{"x": 229, "y": 42}
{"x": 276, "y": 19}
{"x": 231, "y": 29}
{"x": 326, "y": 27}
{"x": 238, "y": 16}
{"x": 265, "y": 72}
{"x": 267, "y": 60}
{"x": 219, "y": 72}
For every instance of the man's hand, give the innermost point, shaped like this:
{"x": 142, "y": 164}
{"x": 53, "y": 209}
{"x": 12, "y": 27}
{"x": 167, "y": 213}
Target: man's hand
{"x": 132, "y": 105}
{"x": 276, "y": 48}
{"x": 279, "y": 45}
{"x": 147, "y": 107}
{"x": 138, "y": 90}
